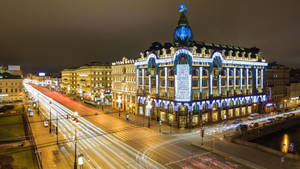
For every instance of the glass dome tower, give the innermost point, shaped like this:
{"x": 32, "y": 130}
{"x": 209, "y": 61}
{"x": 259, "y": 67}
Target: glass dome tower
{"x": 183, "y": 35}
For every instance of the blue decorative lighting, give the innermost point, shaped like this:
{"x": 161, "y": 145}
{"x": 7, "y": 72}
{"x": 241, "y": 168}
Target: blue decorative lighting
{"x": 182, "y": 8}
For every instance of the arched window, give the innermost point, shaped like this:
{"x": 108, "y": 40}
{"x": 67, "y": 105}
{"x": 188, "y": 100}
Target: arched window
{"x": 183, "y": 59}
{"x": 224, "y": 104}
{"x": 171, "y": 72}
{"x": 230, "y": 103}
{"x": 170, "y": 108}
{"x": 162, "y": 72}
{"x": 162, "y": 105}
{"x": 204, "y": 107}
{"x": 205, "y": 72}
{"x": 195, "y": 108}
{"x": 195, "y": 71}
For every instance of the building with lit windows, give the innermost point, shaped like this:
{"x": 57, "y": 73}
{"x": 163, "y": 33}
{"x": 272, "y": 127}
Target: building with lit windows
{"x": 277, "y": 80}
{"x": 189, "y": 83}
{"x": 11, "y": 88}
{"x": 124, "y": 86}
{"x": 90, "y": 82}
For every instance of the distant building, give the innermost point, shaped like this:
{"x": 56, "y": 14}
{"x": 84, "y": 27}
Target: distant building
{"x": 11, "y": 87}
{"x": 294, "y": 95}
{"x": 88, "y": 82}
{"x": 124, "y": 85}
{"x": 189, "y": 83}
{"x": 53, "y": 82}
{"x": 12, "y": 69}
{"x": 277, "y": 85}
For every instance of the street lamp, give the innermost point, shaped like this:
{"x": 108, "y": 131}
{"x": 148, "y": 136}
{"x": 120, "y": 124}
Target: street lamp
{"x": 50, "y": 116}
{"x": 148, "y": 108}
{"x": 75, "y": 139}
{"x": 57, "y": 127}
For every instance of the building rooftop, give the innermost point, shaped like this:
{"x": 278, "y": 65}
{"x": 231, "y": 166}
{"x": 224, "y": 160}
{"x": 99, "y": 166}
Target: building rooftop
{"x": 6, "y": 75}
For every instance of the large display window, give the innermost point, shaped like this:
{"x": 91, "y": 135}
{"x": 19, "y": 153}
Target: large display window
{"x": 237, "y": 112}
{"x": 230, "y": 113}
{"x": 163, "y": 116}
{"x": 223, "y": 115}
{"x": 215, "y": 116}
{"x": 205, "y": 117}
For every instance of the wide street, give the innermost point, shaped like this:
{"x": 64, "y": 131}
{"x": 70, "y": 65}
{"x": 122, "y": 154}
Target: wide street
{"x": 109, "y": 142}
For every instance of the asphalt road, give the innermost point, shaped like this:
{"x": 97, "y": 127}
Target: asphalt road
{"x": 108, "y": 142}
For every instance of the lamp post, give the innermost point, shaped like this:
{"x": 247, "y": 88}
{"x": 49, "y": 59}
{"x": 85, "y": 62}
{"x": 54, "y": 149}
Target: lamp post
{"x": 75, "y": 139}
{"x": 50, "y": 116}
{"x": 148, "y": 108}
{"x": 57, "y": 128}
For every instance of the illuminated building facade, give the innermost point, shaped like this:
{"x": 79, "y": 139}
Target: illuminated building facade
{"x": 124, "y": 86}
{"x": 189, "y": 83}
{"x": 11, "y": 88}
{"x": 88, "y": 82}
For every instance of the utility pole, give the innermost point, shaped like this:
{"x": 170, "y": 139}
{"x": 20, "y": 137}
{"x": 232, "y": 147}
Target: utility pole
{"x": 50, "y": 117}
{"x": 75, "y": 157}
{"x": 57, "y": 128}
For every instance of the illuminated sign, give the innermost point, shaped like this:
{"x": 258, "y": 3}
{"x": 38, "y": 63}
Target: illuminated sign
{"x": 42, "y": 74}
{"x": 83, "y": 75}
{"x": 183, "y": 83}
{"x": 3, "y": 95}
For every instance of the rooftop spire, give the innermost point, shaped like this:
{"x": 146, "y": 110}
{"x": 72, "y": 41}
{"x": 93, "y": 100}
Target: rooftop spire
{"x": 183, "y": 33}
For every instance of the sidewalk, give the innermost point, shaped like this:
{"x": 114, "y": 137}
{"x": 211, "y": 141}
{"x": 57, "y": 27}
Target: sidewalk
{"x": 247, "y": 156}
{"x": 51, "y": 156}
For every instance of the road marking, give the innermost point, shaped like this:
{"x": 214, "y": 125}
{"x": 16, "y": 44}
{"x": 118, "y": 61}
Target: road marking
{"x": 190, "y": 157}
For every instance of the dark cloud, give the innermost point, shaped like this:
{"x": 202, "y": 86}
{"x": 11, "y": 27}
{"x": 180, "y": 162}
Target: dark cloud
{"x": 51, "y": 35}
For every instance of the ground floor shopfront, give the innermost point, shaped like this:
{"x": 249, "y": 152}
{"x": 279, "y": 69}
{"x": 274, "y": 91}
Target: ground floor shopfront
{"x": 193, "y": 119}
{"x": 189, "y": 115}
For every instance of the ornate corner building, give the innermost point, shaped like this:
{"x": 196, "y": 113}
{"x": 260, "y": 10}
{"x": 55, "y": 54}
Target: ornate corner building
{"x": 189, "y": 83}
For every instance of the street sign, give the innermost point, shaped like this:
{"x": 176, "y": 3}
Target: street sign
{"x": 202, "y": 132}
{"x": 80, "y": 160}
{"x": 282, "y": 159}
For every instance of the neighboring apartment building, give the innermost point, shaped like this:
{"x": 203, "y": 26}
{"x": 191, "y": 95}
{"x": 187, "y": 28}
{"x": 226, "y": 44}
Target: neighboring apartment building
{"x": 124, "y": 86}
{"x": 277, "y": 86}
{"x": 11, "y": 88}
{"x": 190, "y": 83}
{"x": 89, "y": 81}
{"x": 294, "y": 95}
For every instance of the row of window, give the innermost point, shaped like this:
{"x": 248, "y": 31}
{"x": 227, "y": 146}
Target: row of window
{"x": 11, "y": 90}
{"x": 12, "y": 83}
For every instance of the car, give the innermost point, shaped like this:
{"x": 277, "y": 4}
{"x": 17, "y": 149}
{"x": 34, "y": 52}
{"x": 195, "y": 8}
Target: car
{"x": 253, "y": 125}
{"x": 46, "y": 123}
{"x": 253, "y": 116}
{"x": 242, "y": 127}
{"x": 237, "y": 121}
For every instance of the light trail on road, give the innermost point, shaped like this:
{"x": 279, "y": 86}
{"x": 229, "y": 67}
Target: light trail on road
{"x": 99, "y": 148}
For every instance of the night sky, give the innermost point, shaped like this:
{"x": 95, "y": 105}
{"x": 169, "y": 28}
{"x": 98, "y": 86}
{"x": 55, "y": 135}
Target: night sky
{"x": 55, "y": 34}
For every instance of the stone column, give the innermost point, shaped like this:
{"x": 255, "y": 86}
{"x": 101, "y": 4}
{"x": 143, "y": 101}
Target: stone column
{"x": 166, "y": 80}
{"x": 143, "y": 79}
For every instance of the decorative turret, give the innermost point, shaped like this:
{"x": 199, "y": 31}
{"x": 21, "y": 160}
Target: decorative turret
{"x": 183, "y": 35}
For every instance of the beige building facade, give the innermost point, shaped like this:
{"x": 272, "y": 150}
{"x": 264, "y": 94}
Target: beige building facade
{"x": 11, "y": 90}
{"x": 90, "y": 82}
{"x": 124, "y": 86}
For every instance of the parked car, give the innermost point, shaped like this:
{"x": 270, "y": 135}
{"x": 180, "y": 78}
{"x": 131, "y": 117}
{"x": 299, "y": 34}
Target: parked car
{"x": 237, "y": 121}
{"x": 253, "y": 125}
{"x": 46, "y": 123}
{"x": 242, "y": 127}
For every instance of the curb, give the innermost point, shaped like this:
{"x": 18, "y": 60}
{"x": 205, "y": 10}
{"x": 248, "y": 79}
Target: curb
{"x": 266, "y": 149}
